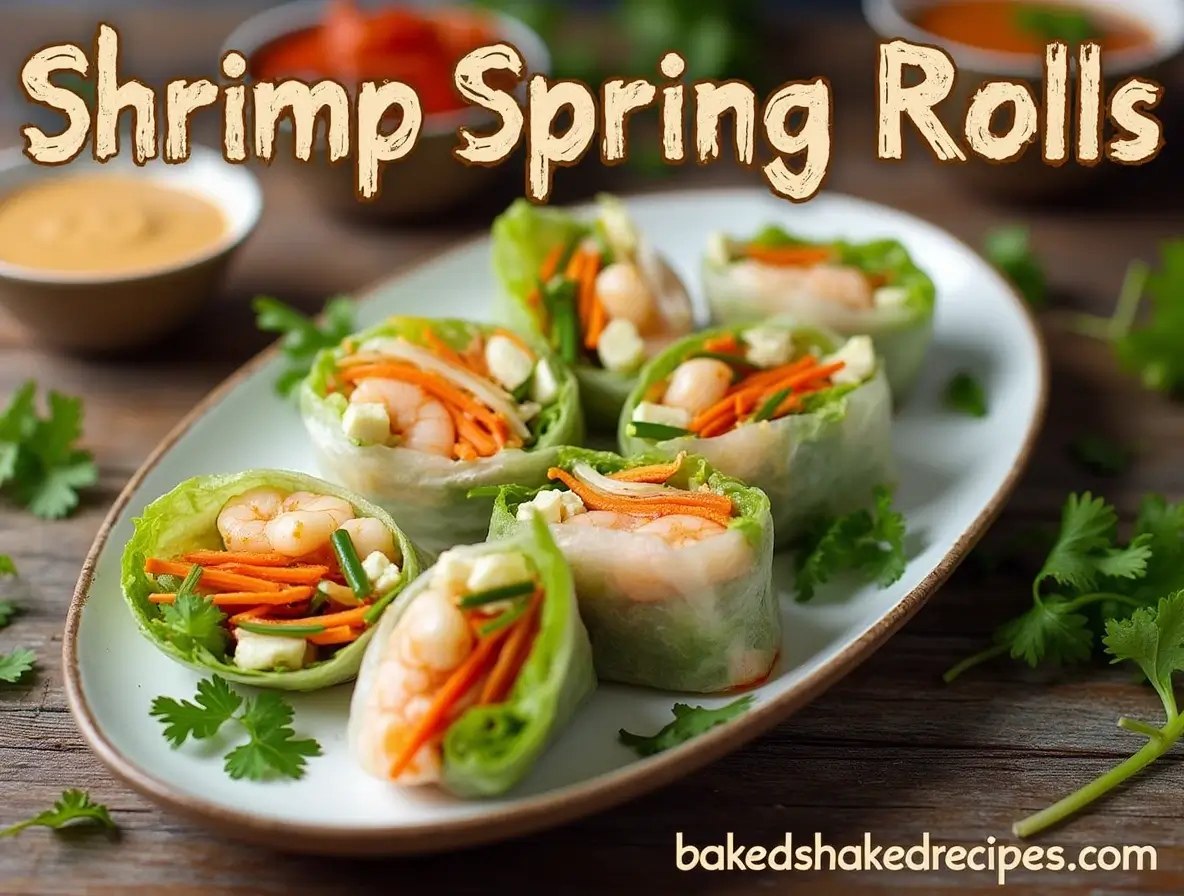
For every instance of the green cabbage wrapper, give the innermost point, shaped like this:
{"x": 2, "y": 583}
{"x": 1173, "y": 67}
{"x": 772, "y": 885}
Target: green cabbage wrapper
{"x": 491, "y": 748}
{"x": 811, "y": 465}
{"x": 703, "y": 619}
{"x": 522, "y": 237}
{"x": 901, "y": 335}
{"x": 186, "y": 519}
{"x": 428, "y": 494}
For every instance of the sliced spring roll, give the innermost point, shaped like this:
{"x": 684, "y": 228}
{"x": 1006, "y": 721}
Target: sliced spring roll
{"x": 294, "y": 575}
{"x": 413, "y": 413}
{"x": 673, "y": 566}
{"x": 596, "y": 289}
{"x": 475, "y": 671}
{"x": 871, "y": 288}
{"x": 790, "y": 409}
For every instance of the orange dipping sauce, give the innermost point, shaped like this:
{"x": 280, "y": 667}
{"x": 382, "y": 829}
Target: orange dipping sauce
{"x": 1007, "y": 25}
{"x": 351, "y": 45}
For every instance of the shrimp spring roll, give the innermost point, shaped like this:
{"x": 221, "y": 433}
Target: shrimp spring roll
{"x": 596, "y": 289}
{"x": 269, "y": 578}
{"x": 413, "y": 413}
{"x": 477, "y": 668}
{"x": 673, "y": 566}
{"x": 871, "y": 288}
{"x": 790, "y": 409}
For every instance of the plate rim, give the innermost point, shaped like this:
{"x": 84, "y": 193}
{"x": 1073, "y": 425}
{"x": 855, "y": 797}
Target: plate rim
{"x": 569, "y": 803}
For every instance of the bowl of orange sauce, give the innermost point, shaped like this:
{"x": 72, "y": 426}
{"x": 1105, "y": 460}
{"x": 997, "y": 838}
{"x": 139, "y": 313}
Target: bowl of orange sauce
{"x": 992, "y": 39}
{"x": 99, "y": 258}
{"x": 350, "y": 42}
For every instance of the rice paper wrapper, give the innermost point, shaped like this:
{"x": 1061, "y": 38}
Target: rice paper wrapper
{"x": 902, "y": 335}
{"x": 703, "y": 618}
{"x": 489, "y": 749}
{"x": 811, "y": 465}
{"x": 522, "y": 237}
{"x": 428, "y": 495}
{"x": 185, "y": 520}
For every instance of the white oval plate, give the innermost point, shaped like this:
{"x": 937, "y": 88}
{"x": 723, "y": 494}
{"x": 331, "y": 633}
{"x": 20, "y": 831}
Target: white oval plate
{"x": 956, "y": 472}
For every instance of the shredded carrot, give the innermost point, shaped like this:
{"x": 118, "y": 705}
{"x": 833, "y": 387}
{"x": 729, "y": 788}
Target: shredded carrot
{"x": 743, "y": 397}
{"x": 654, "y": 473}
{"x": 575, "y": 264}
{"x": 464, "y": 450}
{"x": 458, "y": 684}
{"x": 708, "y": 505}
{"x": 253, "y": 613}
{"x": 339, "y": 634}
{"x": 587, "y": 287}
{"x": 295, "y": 575}
{"x": 244, "y": 598}
{"x": 261, "y": 558}
{"x": 356, "y": 616}
{"x": 512, "y": 656}
{"x": 551, "y": 262}
{"x": 727, "y": 344}
{"x": 795, "y": 256}
{"x": 217, "y": 579}
{"x": 443, "y": 350}
{"x": 597, "y": 320}
{"x": 432, "y": 383}
{"x": 482, "y": 443}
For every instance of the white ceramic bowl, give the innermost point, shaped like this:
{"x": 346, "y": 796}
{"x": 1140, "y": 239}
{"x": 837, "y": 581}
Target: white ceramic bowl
{"x": 98, "y": 312}
{"x": 426, "y": 181}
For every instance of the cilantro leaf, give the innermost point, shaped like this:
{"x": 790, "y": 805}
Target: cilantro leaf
{"x": 214, "y": 705}
{"x": 870, "y": 542}
{"x": 74, "y": 806}
{"x": 273, "y": 748}
{"x": 1154, "y": 641}
{"x": 1101, "y": 456}
{"x": 1087, "y": 528}
{"x": 1153, "y": 350}
{"x": 301, "y": 336}
{"x": 1008, "y": 249}
{"x": 39, "y": 465}
{"x": 1163, "y": 525}
{"x": 689, "y": 722}
{"x": 16, "y": 665}
{"x": 7, "y": 567}
{"x": 966, "y": 394}
{"x": 7, "y": 611}
{"x": 191, "y": 621}
{"x": 1049, "y": 22}
{"x": 1052, "y": 631}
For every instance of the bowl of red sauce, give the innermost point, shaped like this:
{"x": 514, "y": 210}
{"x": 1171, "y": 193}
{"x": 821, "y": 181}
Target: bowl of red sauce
{"x": 1006, "y": 39}
{"x": 351, "y": 42}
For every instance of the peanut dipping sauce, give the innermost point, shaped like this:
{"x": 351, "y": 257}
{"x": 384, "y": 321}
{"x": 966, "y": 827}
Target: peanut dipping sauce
{"x": 998, "y": 25}
{"x": 105, "y": 224}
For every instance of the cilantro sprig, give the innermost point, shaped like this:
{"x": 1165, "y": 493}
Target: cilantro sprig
{"x": 867, "y": 541}
{"x": 1085, "y": 570}
{"x": 40, "y": 469}
{"x": 966, "y": 395}
{"x": 1153, "y": 639}
{"x": 74, "y": 807}
{"x": 1100, "y": 455}
{"x": 302, "y": 337}
{"x": 7, "y": 608}
{"x": 1010, "y": 250}
{"x": 192, "y": 623}
{"x": 689, "y": 722}
{"x": 272, "y": 749}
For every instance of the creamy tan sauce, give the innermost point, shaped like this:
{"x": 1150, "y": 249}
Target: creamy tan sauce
{"x": 105, "y": 224}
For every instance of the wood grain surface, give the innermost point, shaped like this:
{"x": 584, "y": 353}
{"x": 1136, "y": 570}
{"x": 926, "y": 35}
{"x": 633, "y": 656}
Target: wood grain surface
{"x": 890, "y": 751}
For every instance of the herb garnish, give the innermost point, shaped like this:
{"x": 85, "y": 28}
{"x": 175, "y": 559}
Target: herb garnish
{"x": 40, "y": 469}
{"x": 1055, "y": 22}
{"x": 191, "y": 622}
{"x": 966, "y": 394}
{"x": 868, "y": 541}
{"x": 1100, "y": 455}
{"x": 16, "y": 665}
{"x": 271, "y": 751}
{"x": 74, "y": 806}
{"x": 1009, "y": 249}
{"x": 302, "y": 337}
{"x": 689, "y": 722}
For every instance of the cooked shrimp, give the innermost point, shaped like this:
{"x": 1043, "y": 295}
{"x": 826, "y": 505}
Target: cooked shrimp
{"x": 679, "y": 530}
{"x": 606, "y": 519}
{"x": 265, "y": 519}
{"x": 844, "y": 286}
{"x": 431, "y": 640}
{"x": 370, "y": 535}
{"x": 697, "y": 384}
{"x": 242, "y": 520}
{"x": 625, "y": 295}
{"x": 423, "y": 422}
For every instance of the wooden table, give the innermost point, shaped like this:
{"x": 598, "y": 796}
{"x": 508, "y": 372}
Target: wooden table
{"x": 891, "y": 750}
